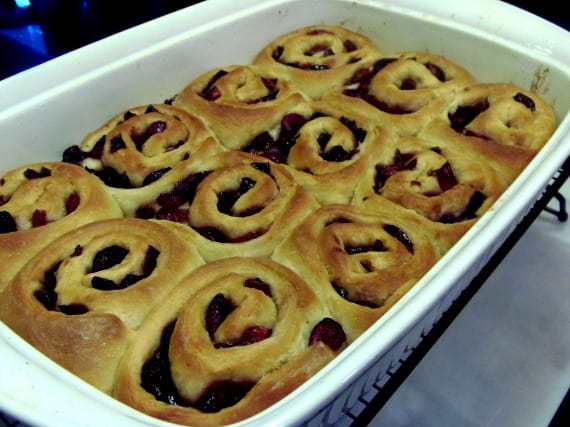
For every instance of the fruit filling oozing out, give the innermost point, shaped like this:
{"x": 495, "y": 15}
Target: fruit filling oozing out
{"x": 445, "y": 177}
{"x": 103, "y": 260}
{"x": 277, "y": 148}
{"x": 39, "y": 217}
{"x": 320, "y": 50}
{"x": 174, "y": 205}
{"x": 374, "y": 246}
{"x": 156, "y": 377}
{"x": 110, "y": 176}
{"x": 358, "y": 85}
{"x": 465, "y": 114}
{"x": 210, "y": 92}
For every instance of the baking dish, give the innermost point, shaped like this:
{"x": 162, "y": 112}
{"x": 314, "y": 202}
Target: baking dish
{"x": 50, "y": 107}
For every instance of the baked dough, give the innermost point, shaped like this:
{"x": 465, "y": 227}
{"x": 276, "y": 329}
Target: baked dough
{"x": 242, "y": 325}
{"x": 82, "y": 297}
{"x": 317, "y": 58}
{"x": 39, "y": 202}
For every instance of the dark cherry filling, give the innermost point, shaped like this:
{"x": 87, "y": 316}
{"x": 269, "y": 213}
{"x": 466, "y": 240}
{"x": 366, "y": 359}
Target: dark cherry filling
{"x": 273, "y": 91}
{"x": 141, "y": 137}
{"x": 218, "y": 310}
{"x": 212, "y": 233}
{"x": 116, "y": 257}
{"x": 210, "y": 91}
{"x": 445, "y": 177}
{"x": 344, "y": 294}
{"x": 110, "y": 176}
{"x": 338, "y": 153}
{"x": 364, "y": 76}
{"x": 155, "y": 373}
{"x": 465, "y": 114}
{"x": 260, "y": 285}
{"x": 7, "y": 223}
{"x": 401, "y": 162}
{"x": 227, "y": 199}
{"x": 32, "y": 174}
{"x": 470, "y": 211}
{"x": 376, "y": 246}
{"x": 401, "y": 236}
{"x": 156, "y": 379}
{"x": 318, "y": 48}
{"x": 330, "y": 332}
{"x": 104, "y": 259}
{"x": 39, "y": 218}
{"x": 72, "y": 202}
{"x": 277, "y": 150}
{"x": 154, "y": 176}
{"x": 525, "y": 100}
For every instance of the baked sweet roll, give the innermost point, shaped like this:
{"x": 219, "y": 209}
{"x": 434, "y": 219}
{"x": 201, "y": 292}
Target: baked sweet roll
{"x": 448, "y": 185}
{"x": 331, "y": 150}
{"x": 240, "y": 101}
{"x": 230, "y": 204}
{"x": 360, "y": 262}
{"x": 505, "y": 123}
{"x": 403, "y": 91}
{"x": 316, "y": 58}
{"x": 232, "y": 338}
{"x": 81, "y": 298}
{"x": 142, "y": 144}
{"x": 41, "y": 201}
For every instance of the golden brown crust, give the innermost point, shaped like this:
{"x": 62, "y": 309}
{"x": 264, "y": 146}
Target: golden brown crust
{"x": 501, "y": 122}
{"x": 80, "y": 299}
{"x": 241, "y": 204}
{"x": 404, "y": 91}
{"x": 332, "y": 151}
{"x": 239, "y": 102}
{"x": 360, "y": 262}
{"x": 202, "y": 356}
{"x": 144, "y": 140}
{"x": 45, "y": 200}
{"x": 317, "y": 58}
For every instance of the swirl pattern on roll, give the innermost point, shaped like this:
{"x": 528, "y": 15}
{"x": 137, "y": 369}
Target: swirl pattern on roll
{"x": 140, "y": 145}
{"x": 41, "y": 201}
{"x": 450, "y": 186}
{"x": 503, "y": 122}
{"x": 82, "y": 297}
{"x": 230, "y": 204}
{"x": 404, "y": 91}
{"x": 240, "y": 94}
{"x": 316, "y": 58}
{"x": 327, "y": 151}
{"x": 232, "y": 338}
{"x": 359, "y": 261}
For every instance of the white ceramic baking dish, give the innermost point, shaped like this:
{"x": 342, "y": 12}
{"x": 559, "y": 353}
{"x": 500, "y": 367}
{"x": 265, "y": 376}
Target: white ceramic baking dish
{"x": 52, "y": 106}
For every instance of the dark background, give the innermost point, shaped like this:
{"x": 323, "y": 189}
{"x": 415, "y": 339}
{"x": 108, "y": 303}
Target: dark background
{"x": 48, "y": 28}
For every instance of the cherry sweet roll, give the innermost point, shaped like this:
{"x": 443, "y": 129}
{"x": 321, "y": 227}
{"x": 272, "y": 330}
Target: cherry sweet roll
{"x": 232, "y": 338}
{"x": 82, "y": 297}
{"x": 331, "y": 151}
{"x": 39, "y": 202}
{"x": 506, "y": 124}
{"x": 316, "y": 58}
{"x": 240, "y": 101}
{"x": 140, "y": 145}
{"x": 450, "y": 186}
{"x": 230, "y": 204}
{"x": 402, "y": 91}
{"x": 360, "y": 262}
